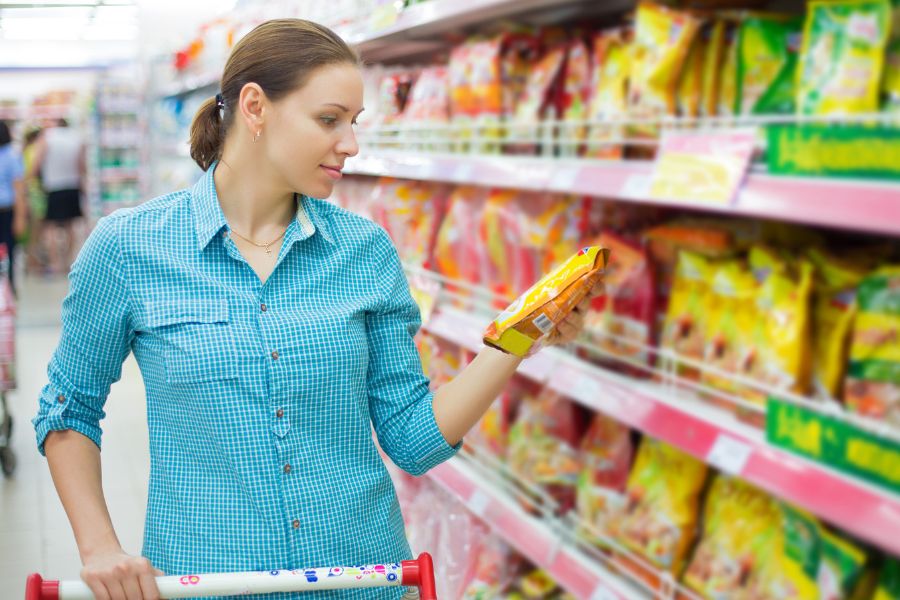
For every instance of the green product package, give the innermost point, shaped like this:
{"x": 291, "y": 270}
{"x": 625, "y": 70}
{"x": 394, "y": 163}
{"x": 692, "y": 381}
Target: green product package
{"x": 889, "y": 581}
{"x": 891, "y": 81}
{"x": 842, "y": 59}
{"x": 841, "y": 567}
{"x": 767, "y": 64}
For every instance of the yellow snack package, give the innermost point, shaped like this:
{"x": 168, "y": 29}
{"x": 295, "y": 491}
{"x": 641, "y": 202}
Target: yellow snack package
{"x": 873, "y": 375}
{"x": 767, "y": 64}
{"x": 731, "y": 318}
{"x": 891, "y": 83}
{"x": 521, "y": 328}
{"x": 783, "y": 335}
{"x": 713, "y": 57}
{"x": 690, "y": 85}
{"x": 834, "y": 311}
{"x": 841, "y": 567}
{"x": 728, "y": 88}
{"x": 684, "y": 331}
{"x": 842, "y": 59}
{"x": 609, "y": 93}
{"x": 738, "y": 522}
{"x": 660, "y": 519}
{"x": 663, "y": 38}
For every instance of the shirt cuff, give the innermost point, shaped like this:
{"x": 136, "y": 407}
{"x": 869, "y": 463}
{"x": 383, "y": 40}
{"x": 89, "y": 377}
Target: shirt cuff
{"x": 56, "y": 415}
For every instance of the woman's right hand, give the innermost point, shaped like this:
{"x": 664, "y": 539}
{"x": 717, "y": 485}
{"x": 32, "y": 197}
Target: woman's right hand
{"x": 115, "y": 575}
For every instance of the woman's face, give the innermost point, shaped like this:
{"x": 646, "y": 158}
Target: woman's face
{"x": 310, "y": 132}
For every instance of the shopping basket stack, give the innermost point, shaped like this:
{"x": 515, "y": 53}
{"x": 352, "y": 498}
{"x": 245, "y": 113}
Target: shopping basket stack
{"x": 7, "y": 362}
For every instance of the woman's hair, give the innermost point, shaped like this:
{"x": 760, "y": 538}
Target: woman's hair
{"x": 5, "y": 137}
{"x": 279, "y": 56}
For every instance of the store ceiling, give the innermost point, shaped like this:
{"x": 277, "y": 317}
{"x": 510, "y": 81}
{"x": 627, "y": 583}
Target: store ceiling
{"x": 69, "y": 20}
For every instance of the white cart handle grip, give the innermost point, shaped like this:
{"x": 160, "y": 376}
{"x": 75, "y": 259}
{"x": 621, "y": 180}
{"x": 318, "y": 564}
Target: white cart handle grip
{"x": 418, "y": 573}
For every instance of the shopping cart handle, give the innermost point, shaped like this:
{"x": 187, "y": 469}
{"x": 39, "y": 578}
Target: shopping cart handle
{"x": 409, "y": 573}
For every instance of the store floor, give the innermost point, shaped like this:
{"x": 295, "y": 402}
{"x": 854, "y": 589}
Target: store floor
{"x": 34, "y": 531}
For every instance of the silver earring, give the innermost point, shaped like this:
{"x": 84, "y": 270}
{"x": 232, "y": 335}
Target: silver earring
{"x": 256, "y": 137}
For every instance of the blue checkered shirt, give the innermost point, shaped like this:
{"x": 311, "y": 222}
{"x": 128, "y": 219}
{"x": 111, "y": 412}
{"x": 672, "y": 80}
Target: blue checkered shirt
{"x": 259, "y": 396}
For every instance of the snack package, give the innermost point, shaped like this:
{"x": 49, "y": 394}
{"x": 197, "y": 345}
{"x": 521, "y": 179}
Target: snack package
{"x": 690, "y": 84}
{"x": 712, "y": 67}
{"x": 543, "y": 445}
{"x": 767, "y": 64}
{"x": 834, "y": 311}
{"x": 728, "y": 90}
{"x": 457, "y": 251}
{"x": 842, "y": 60}
{"x": 684, "y": 331}
{"x": 891, "y": 81}
{"x": 660, "y": 519}
{"x": 609, "y": 93}
{"x": 873, "y": 375}
{"x": 841, "y": 567}
{"x": 738, "y": 522}
{"x": 662, "y": 40}
{"x": 537, "y": 585}
{"x": 783, "y": 332}
{"x": 524, "y": 325}
{"x": 606, "y": 453}
{"x": 495, "y": 569}
{"x": 575, "y": 98}
{"x": 731, "y": 318}
{"x": 411, "y": 212}
{"x": 627, "y": 312}
{"x": 492, "y": 432}
{"x": 429, "y": 98}
{"x": 888, "y": 581}
{"x": 535, "y": 101}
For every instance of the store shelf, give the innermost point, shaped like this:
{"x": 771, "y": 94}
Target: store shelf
{"x": 536, "y": 540}
{"x": 189, "y": 84}
{"x": 416, "y": 27}
{"x": 705, "y": 432}
{"x": 116, "y": 174}
{"x": 847, "y": 204}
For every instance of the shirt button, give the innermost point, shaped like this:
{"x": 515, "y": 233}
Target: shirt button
{"x": 279, "y": 413}
{"x": 263, "y": 307}
{"x": 295, "y": 524}
{"x": 274, "y": 354}
{"x": 287, "y": 468}
{"x": 60, "y": 398}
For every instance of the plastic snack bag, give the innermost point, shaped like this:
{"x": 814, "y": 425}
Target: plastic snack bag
{"x": 842, "y": 60}
{"x": 891, "y": 83}
{"x": 834, "y": 311}
{"x": 728, "y": 90}
{"x": 660, "y": 519}
{"x": 738, "y": 523}
{"x": 606, "y": 453}
{"x": 841, "y": 567}
{"x": 662, "y": 40}
{"x": 684, "y": 332}
{"x": 767, "y": 64}
{"x": 609, "y": 93}
{"x": 527, "y": 322}
{"x": 690, "y": 85}
{"x": 543, "y": 445}
{"x": 712, "y": 67}
{"x": 576, "y": 94}
{"x": 535, "y": 101}
{"x": 457, "y": 252}
{"x": 889, "y": 581}
{"x": 873, "y": 375}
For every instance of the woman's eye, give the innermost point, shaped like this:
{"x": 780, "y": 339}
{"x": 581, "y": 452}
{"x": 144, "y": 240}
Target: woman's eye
{"x": 329, "y": 120}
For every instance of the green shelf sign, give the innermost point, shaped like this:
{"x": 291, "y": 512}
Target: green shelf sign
{"x": 835, "y": 150}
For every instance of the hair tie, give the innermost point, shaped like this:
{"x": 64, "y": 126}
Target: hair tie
{"x": 220, "y": 101}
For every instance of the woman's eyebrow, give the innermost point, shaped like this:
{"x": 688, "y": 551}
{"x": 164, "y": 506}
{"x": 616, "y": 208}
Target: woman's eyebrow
{"x": 342, "y": 107}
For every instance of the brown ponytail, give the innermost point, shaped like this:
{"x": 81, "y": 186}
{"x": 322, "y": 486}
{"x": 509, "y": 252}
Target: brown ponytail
{"x": 279, "y": 56}
{"x": 207, "y": 135}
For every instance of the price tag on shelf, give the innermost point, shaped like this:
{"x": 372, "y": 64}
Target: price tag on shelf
{"x": 729, "y": 455}
{"x": 601, "y": 592}
{"x": 584, "y": 388}
{"x": 563, "y": 178}
{"x": 478, "y": 503}
{"x": 463, "y": 172}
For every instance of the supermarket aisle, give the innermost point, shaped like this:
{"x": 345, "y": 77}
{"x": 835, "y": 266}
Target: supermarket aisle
{"x": 33, "y": 526}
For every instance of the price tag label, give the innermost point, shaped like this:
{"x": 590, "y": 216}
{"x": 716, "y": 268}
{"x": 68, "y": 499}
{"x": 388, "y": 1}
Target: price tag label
{"x": 729, "y": 455}
{"x": 585, "y": 388}
{"x": 637, "y": 187}
{"x": 563, "y": 179}
{"x": 463, "y": 172}
{"x": 601, "y": 592}
{"x": 478, "y": 503}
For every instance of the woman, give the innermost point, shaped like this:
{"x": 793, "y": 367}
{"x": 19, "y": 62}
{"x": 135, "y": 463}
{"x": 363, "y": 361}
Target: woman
{"x": 13, "y": 207}
{"x": 273, "y": 331}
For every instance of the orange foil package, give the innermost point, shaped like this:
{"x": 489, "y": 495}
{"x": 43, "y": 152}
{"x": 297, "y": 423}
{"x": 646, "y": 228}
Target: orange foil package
{"x": 520, "y": 329}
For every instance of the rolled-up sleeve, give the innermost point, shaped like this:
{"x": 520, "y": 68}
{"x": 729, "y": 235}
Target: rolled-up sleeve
{"x": 96, "y": 338}
{"x": 399, "y": 399}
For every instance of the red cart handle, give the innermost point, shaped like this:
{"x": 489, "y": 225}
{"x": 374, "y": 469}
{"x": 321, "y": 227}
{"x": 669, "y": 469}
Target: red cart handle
{"x": 418, "y": 573}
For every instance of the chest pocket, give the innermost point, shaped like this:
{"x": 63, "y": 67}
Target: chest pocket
{"x": 197, "y": 339}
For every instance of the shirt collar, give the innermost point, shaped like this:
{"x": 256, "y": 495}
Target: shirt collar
{"x": 209, "y": 220}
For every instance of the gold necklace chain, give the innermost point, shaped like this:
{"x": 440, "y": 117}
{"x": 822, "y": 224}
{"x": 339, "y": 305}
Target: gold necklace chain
{"x": 265, "y": 246}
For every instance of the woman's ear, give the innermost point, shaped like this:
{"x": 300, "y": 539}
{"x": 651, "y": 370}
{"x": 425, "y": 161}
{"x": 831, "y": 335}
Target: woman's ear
{"x": 253, "y": 104}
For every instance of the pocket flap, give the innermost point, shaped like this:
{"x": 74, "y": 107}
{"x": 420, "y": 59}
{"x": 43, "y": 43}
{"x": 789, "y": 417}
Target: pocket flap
{"x": 174, "y": 312}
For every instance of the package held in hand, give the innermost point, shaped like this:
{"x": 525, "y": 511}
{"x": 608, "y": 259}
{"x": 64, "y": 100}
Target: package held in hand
{"x": 521, "y": 328}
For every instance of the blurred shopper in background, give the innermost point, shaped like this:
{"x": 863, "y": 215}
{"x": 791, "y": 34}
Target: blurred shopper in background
{"x": 35, "y": 255}
{"x": 59, "y": 160}
{"x": 13, "y": 211}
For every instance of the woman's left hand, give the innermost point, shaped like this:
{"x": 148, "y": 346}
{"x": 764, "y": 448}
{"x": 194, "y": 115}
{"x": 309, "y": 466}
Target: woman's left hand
{"x": 571, "y": 327}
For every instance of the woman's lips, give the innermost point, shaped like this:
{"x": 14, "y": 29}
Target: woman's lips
{"x": 332, "y": 172}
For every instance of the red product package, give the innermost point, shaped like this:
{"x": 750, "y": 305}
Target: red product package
{"x": 621, "y": 322}
{"x": 457, "y": 250}
{"x": 429, "y": 98}
{"x": 536, "y": 101}
{"x": 543, "y": 445}
{"x": 575, "y": 97}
